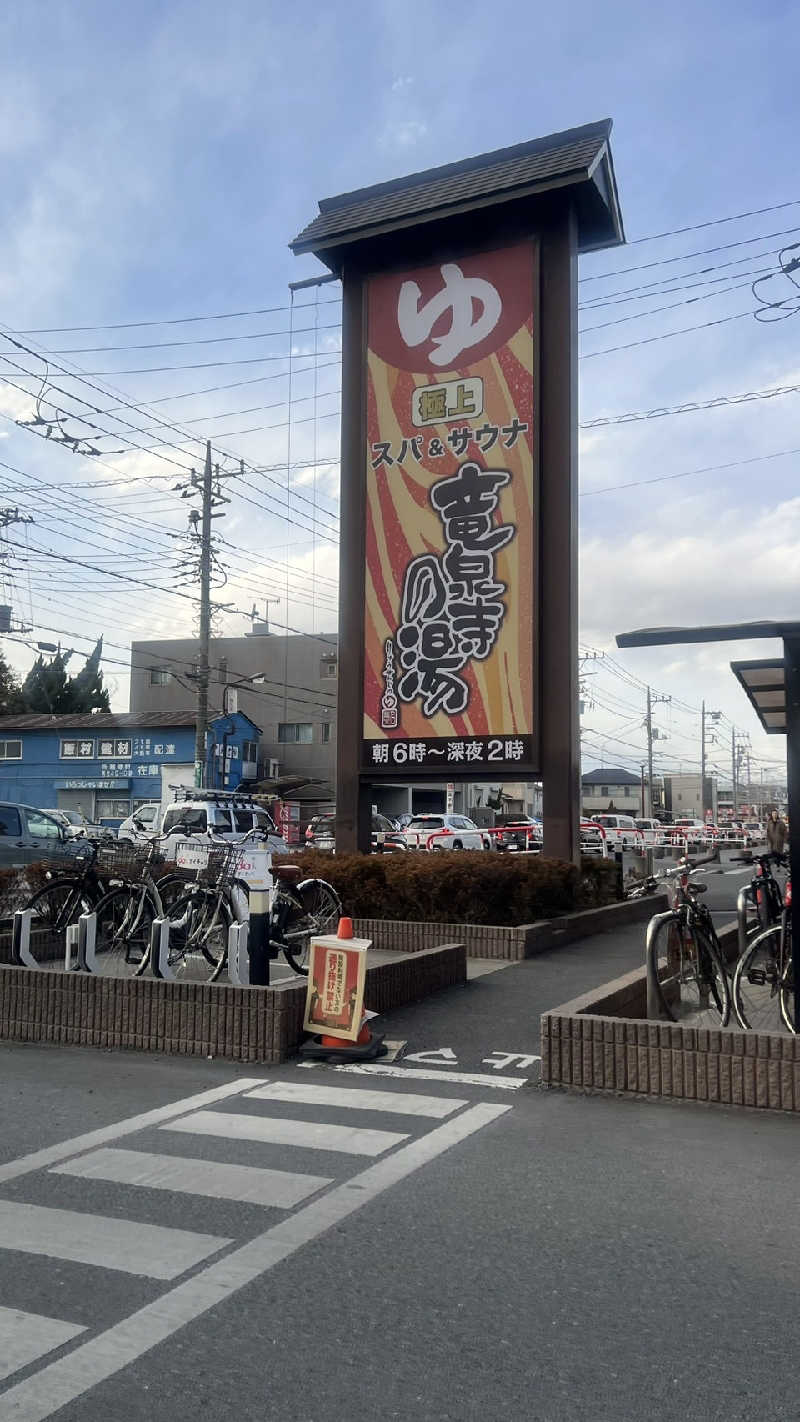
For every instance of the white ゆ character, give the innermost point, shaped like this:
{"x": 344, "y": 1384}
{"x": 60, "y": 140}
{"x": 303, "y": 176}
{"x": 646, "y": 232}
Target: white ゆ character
{"x": 416, "y": 322}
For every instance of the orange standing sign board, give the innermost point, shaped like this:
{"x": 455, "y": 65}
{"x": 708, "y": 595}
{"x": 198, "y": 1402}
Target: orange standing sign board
{"x": 335, "y": 993}
{"x": 449, "y": 670}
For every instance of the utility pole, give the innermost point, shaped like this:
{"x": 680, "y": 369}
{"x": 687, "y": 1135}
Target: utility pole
{"x": 643, "y": 800}
{"x": 703, "y": 760}
{"x": 650, "y": 747}
{"x": 733, "y": 768}
{"x": 205, "y": 624}
{"x": 651, "y": 736}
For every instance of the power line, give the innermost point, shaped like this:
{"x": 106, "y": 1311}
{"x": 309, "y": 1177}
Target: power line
{"x": 666, "y": 335}
{"x": 718, "y": 402}
{"x": 689, "y": 256}
{"x": 198, "y": 341}
{"x": 689, "y": 473}
{"x": 177, "y": 320}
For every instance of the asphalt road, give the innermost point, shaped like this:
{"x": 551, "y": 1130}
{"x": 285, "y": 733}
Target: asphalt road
{"x": 453, "y": 1248}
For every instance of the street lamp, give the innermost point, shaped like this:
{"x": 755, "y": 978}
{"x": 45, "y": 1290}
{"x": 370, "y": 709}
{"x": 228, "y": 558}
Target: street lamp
{"x": 256, "y": 680}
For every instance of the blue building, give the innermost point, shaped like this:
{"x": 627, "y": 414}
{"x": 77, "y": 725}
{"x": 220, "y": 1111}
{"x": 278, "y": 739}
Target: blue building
{"x": 106, "y": 764}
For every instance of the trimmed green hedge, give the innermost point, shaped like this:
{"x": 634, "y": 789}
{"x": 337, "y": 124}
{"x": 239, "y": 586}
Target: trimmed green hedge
{"x": 500, "y": 889}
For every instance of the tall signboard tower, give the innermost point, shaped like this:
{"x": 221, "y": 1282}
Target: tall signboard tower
{"x": 458, "y": 582}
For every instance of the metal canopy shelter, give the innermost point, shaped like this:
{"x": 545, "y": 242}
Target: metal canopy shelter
{"x": 772, "y": 686}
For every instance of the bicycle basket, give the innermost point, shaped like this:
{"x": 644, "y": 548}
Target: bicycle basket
{"x": 122, "y": 859}
{"x": 222, "y": 866}
{"x": 72, "y": 856}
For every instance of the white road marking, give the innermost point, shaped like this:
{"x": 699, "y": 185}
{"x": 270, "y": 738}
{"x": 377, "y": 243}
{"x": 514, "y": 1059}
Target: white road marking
{"x": 51, "y": 1155}
{"x": 507, "y": 1059}
{"x": 24, "y": 1337}
{"x": 402, "y": 1103}
{"x": 130, "y": 1247}
{"x": 68, "y": 1378}
{"x": 438, "y": 1054}
{"x": 464, "y": 1078}
{"x": 274, "y": 1131}
{"x": 246, "y": 1183}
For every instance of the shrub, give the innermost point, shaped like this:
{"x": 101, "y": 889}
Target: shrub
{"x": 501, "y": 889}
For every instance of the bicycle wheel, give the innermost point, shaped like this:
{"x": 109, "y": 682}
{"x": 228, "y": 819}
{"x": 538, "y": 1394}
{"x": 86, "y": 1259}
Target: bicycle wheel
{"x": 690, "y": 976}
{"x": 54, "y": 908}
{"x": 124, "y": 919}
{"x": 171, "y": 888}
{"x": 758, "y": 983}
{"x": 315, "y": 909}
{"x": 198, "y": 939}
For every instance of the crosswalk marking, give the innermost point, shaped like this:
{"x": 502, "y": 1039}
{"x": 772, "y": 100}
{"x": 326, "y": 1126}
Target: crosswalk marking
{"x": 347, "y": 1140}
{"x": 24, "y": 1337}
{"x": 247, "y": 1184}
{"x": 131, "y": 1248}
{"x": 40, "y": 1159}
{"x": 67, "y": 1379}
{"x": 402, "y": 1103}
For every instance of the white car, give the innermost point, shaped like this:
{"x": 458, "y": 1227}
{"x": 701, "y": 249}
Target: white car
{"x": 621, "y": 831}
{"x": 437, "y": 832}
{"x": 141, "y": 824}
{"x": 653, "y": 831}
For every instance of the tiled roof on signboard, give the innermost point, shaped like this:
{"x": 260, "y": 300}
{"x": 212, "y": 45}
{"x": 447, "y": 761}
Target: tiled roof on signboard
{"x": 542, "y": 163}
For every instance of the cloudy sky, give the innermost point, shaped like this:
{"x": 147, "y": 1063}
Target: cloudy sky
{"x": 156, "y": 159}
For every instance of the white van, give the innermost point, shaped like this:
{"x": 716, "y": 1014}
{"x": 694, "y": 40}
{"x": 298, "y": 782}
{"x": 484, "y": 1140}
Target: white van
{"x": 621, "y": 831}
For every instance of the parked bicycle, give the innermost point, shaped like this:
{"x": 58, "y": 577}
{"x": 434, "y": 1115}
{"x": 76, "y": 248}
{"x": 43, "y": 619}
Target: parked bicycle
{"x": 200, "y": 919}
{"x": 684, "y": 959}
{"x": 759, "y": 904}
{"x": 763, "y": 983}
{"x": 116, "y": 881}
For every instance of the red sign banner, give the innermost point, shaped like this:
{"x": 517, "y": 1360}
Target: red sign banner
{"x": 450, "y": 546}
{"x": 335, "y": 991}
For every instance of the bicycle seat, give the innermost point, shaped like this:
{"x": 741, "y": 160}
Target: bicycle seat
{"x": 699, "y": 889}
{"x": 290, "y": 872}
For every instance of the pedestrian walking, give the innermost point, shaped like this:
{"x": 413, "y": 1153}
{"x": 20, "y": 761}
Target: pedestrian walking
{"x": 776, "y": 833}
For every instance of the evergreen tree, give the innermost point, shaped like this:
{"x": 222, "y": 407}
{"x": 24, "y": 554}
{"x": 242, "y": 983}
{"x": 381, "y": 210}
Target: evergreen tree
{"x": 86, "y": 689}
{"x": 48, "y": 689}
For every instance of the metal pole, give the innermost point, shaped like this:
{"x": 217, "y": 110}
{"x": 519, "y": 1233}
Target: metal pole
{"x": 733, "y": 769}
{"x": 791, "y": 658}
{"x": 650, "y": 745}
{"x": 205, "y": 625}
{"x": 703, "y": 805}
{"x": 644, "y": 812}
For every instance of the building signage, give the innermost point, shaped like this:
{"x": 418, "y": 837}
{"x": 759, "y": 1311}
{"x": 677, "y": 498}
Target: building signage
{"x": 91, "y": 784}
{"x": 450, "y": 520}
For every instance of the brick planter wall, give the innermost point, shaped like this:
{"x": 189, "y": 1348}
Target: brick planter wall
{"x": 196, "y": 1019}
{"x": 494, "y": 941}
{"x": 601, "y": 1042}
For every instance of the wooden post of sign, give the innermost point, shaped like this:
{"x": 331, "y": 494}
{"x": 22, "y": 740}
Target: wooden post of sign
{"x": 560, "y": 725}
{"x": 353, "y": 812}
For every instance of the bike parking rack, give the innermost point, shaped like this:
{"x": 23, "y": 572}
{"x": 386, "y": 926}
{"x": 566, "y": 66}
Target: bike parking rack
{"x": 21, "y": 939}
{"x": 87, "y": 938}
{"x": 238, "y": 955}
{"x": 159, "y": 950}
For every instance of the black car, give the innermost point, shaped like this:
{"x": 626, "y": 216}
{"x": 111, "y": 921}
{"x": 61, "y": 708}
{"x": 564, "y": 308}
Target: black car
{"x": 517, "y": 832}
{"x": 321, "y": 834}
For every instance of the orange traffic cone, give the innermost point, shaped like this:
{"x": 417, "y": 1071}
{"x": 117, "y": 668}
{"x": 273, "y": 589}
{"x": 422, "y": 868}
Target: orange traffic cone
{"x": 345, "y": 929}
